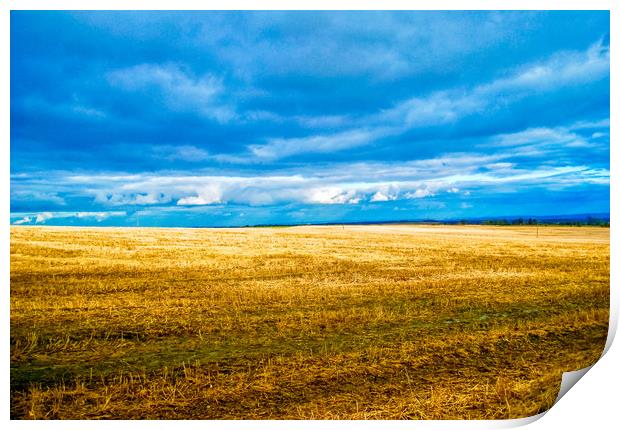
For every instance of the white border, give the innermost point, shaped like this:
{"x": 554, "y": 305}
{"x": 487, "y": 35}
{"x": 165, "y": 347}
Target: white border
{"x": 593, "y": 402}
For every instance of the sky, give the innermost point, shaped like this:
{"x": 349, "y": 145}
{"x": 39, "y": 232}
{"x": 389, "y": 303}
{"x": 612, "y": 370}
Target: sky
{"x": 195, "y": 119}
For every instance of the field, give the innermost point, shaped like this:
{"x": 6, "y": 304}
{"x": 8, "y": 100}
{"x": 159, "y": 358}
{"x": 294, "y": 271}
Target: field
{"x": 318, "y": 322}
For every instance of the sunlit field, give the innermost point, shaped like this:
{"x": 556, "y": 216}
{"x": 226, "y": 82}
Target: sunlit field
{"x": 318, "y": 322}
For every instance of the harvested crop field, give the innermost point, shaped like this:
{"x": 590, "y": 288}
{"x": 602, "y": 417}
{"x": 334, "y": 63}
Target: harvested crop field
{"x": 317, "y": 322}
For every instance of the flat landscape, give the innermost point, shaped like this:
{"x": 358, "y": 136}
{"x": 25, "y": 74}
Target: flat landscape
{"x": 316, "y": 322}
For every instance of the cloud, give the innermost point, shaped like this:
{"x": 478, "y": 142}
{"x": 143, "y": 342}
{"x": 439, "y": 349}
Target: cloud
{"x": 24, "y": 220}
{"x": 306, "y": 121}
{"x": 340, "y": 184}
{"x": 448, "y": 106}
{"x": 277, "y": 113}
{"x": 425, "y": 192}
{"x": 539, "y": 137}
{"x": 41, "y": 196}
{"x": 176, "y": 88}
{"x": 131, "y": 198}
{"x": 451, "y": 106}
{"x": 208, "y": 194}
{"x": 43, "y": 217}
{"x": 281, "y": 148}
{"x": 100, "y": 216}
{"x": 556, "y": 142}
{"x": 380, "y": 197}
{"x": 562, "y": 69}
{"x": 331, "y": 195}
{"x": 89, "y": 111}
{"x": 188, "y": 153}
{"x": 70, "y": 109}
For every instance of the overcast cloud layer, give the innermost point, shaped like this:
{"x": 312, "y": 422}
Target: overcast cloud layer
{"x": 228, "y": 118}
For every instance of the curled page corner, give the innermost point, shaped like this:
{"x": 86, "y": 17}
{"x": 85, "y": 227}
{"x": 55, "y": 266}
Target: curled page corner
{"x": 519, "y": 422}
{"x": 613, "y": 327}
{"x": 569, "y": 379}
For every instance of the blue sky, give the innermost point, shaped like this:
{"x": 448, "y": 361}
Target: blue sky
{"x": 242, "y": 118}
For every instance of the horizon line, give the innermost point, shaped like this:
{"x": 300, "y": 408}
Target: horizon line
{"x": 539, "y": 220}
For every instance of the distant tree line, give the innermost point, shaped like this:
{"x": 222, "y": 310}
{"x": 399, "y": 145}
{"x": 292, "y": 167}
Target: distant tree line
{"x": 533, "y": 221}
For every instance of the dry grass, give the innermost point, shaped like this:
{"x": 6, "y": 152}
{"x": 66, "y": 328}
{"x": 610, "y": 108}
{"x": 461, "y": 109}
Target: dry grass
{"x": 363, "y": 322}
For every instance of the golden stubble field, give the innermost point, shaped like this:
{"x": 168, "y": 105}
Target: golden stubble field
{"x": 354, "y": 322}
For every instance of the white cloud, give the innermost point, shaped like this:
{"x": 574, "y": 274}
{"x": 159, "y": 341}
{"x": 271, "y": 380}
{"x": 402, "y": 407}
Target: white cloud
{"x": 544, "y": 141}
{"x": 131, "y": 198}
{"x": 341, "y": 183}
{"x": 332, "y": 195}
{"x": 580, "y": 125}
{"x": 436, "y": 109}
{"x": 43, "y": 217}
{"x": 151, "y": 198}
{"x": 89, "y": 111}
{"x": 539, "y": 138}
{"x": 565, "y": 69}
{"x": 99, "y": 216}
{"x": 24, "y": 220}
{"x": 422, "y": 192}
{"x": 380, "y": 197}
{"x": 178, "y": 89}
{"x": 181, "y": 152}
{"x": 41, "y": 196}
{"x": 307, "y": 121}
{"x": 499, "y": 166}
{"x": 207, "y": 195}
{"x": 280, "y": 148}
{"x": 446, "y": 107}
{"x": 320, "y": 121}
